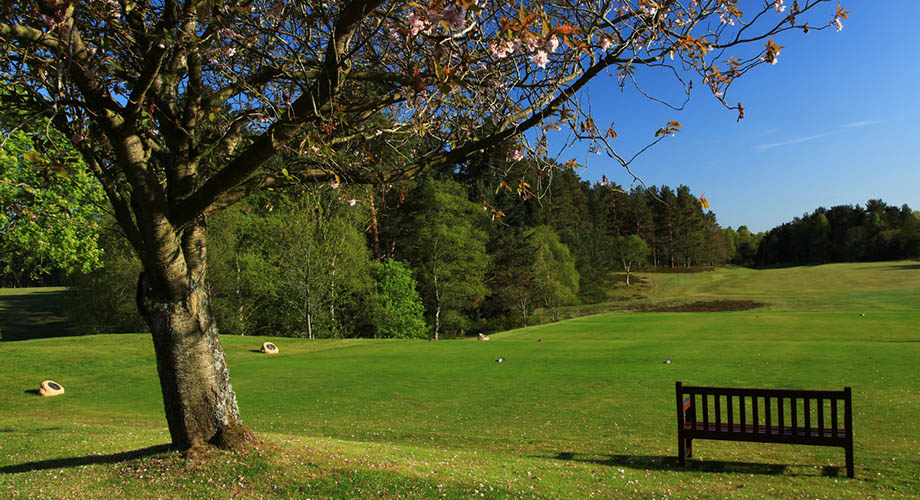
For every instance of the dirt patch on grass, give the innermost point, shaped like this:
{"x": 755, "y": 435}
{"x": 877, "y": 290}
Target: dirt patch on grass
{"x": 703, "y": 306}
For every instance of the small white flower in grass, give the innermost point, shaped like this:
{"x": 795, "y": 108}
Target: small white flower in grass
{"x": 540, "y": 58}
{"x": 316, "y": 150}
{"x": 352, "y": 202}
{"x": 334, "y": 185}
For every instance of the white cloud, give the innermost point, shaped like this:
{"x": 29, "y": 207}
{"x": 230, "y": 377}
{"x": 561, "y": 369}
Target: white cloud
{"x": 864, "y": 123}
{"x": 798, "y": 140}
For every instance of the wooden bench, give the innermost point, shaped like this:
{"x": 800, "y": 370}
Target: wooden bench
{"x": 764, "y": 416}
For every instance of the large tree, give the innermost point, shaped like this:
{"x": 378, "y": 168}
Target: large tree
{"x": 446, "y": 245}
{"x": 182, "y": 108}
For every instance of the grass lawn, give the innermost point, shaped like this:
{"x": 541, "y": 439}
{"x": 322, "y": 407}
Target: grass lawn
{"x": 588, "y": 411}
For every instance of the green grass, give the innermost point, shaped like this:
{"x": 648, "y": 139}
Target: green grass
{"x": 588, "y": 411}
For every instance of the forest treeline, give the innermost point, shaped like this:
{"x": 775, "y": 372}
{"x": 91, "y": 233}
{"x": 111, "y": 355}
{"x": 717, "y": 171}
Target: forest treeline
{"x": 483, "y": 247}
{"x": 453, "y": 252}
{"x": 844, "y": 233}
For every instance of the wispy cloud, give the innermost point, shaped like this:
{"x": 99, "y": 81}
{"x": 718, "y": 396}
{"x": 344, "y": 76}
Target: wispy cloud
{"x": 864, "y": 123}
{"x": 797, "y": 140}
{"x": 806, "y": 138}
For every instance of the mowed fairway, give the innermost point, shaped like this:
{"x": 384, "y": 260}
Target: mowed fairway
{"x": 586, "y": 412}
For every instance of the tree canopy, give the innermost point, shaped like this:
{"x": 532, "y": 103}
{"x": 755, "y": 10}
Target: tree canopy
{"x": 179, "y": 109}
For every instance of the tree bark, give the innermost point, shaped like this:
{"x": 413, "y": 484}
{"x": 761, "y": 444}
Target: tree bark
{"x": 172, "y": 296}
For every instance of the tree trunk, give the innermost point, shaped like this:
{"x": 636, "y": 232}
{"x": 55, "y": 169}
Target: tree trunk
{"x": 523, "y": 305}
{"x": 241, "y": 317}
{"x": 437, "y": 310}
{"x": 437, "y": 320}
{"x": 198, "y": 398}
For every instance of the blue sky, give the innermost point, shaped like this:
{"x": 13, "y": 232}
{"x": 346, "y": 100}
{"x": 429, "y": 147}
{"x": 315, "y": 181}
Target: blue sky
{"x": 836, "y": 121}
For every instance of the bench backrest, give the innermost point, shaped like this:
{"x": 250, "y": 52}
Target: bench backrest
{"x": 816, "y": 413}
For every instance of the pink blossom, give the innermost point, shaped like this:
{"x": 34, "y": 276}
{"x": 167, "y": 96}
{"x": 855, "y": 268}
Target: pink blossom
{"x": 605, "y": 44}
{"x": 455, "y": 16}
{"x": 540, "y": 58}
{"x": 517, "y": 155}
{"x": 778, "y": 4}
{"x": 838, "y": 23}
{"x": 416, "y": 24}
{"x": 533, "y": 43}
{"x": 502, "y": 49}
{"x": 553, "y": 43}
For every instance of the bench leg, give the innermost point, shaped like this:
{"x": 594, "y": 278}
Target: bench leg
{"x": 681, "y": 450}
{"x": 689, "y": 447}
{"x": 850, "y": 471}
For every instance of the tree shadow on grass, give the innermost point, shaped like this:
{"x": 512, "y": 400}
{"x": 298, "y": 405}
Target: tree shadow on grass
{"x": 34, "y": 314}
{"x": 898, "y": 267}
{"x": 670, "y": 463}
{"x": 61, "y": 463}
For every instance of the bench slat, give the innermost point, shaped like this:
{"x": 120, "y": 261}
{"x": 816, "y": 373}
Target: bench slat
{"x": 705, "y": 410}
{"x": 749, "y": 428}
{"x": 742, "y": 407}
{"x": 820, "y": 416}
{"x": 736, "y": 391}
{"x": 731, "y": 420}
{"x": 806, "y": 409}
{"x": 719, "y": 411}
{"x": 756, "y": 414}
{"x": 780, "y": 411}
{"x": 766, "y": 409}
